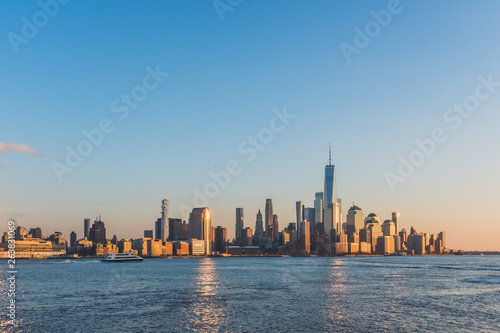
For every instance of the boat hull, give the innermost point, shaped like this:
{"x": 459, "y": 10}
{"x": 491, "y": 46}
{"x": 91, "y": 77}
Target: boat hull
{"x": 121, "y": 260}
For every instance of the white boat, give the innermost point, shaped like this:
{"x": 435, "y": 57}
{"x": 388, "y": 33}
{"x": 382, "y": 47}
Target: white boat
{"x": 121, "y": 257}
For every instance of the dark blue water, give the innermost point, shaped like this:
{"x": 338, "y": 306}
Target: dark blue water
{"x": 380, "y": 294}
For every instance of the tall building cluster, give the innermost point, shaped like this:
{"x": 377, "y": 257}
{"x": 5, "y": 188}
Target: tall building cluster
{"x": 318, "y": 230}
{"x": 321, "y": 230}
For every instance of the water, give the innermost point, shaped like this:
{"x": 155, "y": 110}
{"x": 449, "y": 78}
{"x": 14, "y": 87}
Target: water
{"x": 379, "y": 294}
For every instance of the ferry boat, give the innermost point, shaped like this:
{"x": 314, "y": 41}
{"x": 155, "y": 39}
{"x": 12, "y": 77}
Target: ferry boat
{"x": 121, "y": 257}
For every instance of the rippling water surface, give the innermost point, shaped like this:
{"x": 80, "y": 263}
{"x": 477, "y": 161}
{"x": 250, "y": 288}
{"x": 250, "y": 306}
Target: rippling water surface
{"x": 397, "y": 294}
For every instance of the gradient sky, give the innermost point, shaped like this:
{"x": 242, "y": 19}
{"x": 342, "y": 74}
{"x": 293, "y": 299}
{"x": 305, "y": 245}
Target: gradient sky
{"x": 225, "y": 79}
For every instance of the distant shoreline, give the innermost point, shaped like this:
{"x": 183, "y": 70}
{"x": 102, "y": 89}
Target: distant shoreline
{"x": 280, "y": 256}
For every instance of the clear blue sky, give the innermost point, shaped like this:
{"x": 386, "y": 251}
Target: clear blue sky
{"x": 225, "y": 78}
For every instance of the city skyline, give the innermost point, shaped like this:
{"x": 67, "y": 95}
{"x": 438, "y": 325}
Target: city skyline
{"x": 338, "y": 230}
{"x": 207, "y": 96}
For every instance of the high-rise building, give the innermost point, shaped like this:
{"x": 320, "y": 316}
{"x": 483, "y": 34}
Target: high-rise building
{"x": 220, "y": 238}
{"x": 164, "y": 220}
{"x": 200, "y": 226}
{"x": 331, "y": 204}
{"x": 269, "y": 219}
{"x": 388, "y": 228}
{"x": 310, "y": 216}
{"x": 72, "y": 240}
{"x": 330, "y": 193}
{"x": 275, "y": 227}
{"x": 86, "y": 228}
{"x": 305, "y": 237}
{"x": 239, "y": 226}
{"x": 318, "y": 207}
{"x": 176, "y": 229}
{"x": 355, "y": 220}
{"x": 246, "y": 238}
{"x": 332, "y": 217}
{"x": 395, "y": 219}
{"x": 299, "y": 213}
{"x": 158, "y": 229}
{"x": 36, "y": 233}
{"x": 148, "y": 234}
{"x": 97, "y": 233}
{"x": 259, "y": 229}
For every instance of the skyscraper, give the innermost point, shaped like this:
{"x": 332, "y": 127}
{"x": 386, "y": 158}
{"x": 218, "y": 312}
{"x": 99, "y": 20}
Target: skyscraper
{"x": 259, "y": 229}
{"x": 332, "y": 213}
{"x": 97, "y": 233}
{"x": 305, "y": 237}
{"x": 299, "y": 212}
{"x": 355, "y": 220}
{"x": 275, "y": 227}
{"x": 72, "y": 240}
{"x": 318, "y": 207}
{"x": 239, "y": 226}
{"x": 220, "y": 237}
{"x": 269, "y": 219}
{"x": 395, "y": 219}
{"x": 200, "y": 226}
{"x": 330, "y": 193}
{"x": 175, "y": 229}
{"x": 86, "y": 228}
{"x": 164, "y": 220}
{"x": 158, "y": 229}
{"x": 310, "y": 216}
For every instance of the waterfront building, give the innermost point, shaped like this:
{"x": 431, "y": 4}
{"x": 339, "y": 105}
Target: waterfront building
{"x": 220, "y": 239}
{"x": 125, "y": 246}
{"x": 239, "y": 226}
{"x": 200, "y": 226}
{"x": 355, "y": 220}
{"x": 416, "y": 244}
{"x": 181, "y": 248}
{"x": 84, "y": 247}
{"x": 305, "y": 237}
{"x": 168, "y": 249}
{"x": 385, "y": 245}
{"x": 197, "y": 247}
{"x": 154, "y": 247}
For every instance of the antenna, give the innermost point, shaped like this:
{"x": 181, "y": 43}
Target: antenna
{"x": 330, "y": 153}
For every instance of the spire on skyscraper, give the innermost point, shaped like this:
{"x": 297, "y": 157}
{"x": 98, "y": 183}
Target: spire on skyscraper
{"x": 330, "y": 160}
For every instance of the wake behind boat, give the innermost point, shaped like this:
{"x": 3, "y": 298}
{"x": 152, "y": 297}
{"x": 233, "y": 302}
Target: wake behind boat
{"x": 121, "y": 257}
